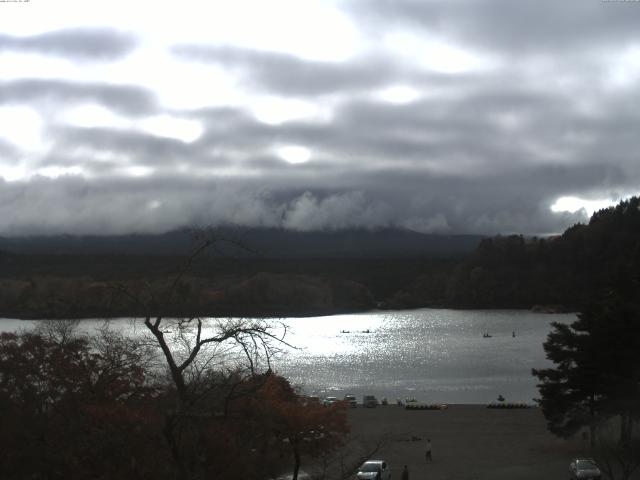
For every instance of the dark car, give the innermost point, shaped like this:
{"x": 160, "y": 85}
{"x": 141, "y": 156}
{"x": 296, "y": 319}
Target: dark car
{"x": 351, "y": 399}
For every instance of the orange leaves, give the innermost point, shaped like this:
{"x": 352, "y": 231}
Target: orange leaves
{"x": 287, "y": 415}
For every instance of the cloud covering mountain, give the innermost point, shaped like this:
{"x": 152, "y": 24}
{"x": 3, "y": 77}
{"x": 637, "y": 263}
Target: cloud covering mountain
{"x": 441, "y": 117}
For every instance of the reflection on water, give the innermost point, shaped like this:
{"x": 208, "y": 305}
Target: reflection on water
{"x": 432, "y": 355}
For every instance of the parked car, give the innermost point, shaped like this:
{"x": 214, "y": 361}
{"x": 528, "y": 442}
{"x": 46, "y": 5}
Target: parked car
{"x": 369, "y": 401}
{"x": 329, "y": 401}
{"x": 352, "y": 400}
{"x": 584, "y": 468}
{"x": 369, "y": 469}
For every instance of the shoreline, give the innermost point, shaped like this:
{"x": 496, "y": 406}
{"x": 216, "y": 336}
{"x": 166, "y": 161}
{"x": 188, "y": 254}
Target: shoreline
{"x": 277, "y": 316}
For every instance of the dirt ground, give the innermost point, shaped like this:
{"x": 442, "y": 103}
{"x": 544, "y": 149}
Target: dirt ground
{"x": 468, "y": 442}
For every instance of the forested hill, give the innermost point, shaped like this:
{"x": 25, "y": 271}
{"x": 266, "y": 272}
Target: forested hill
{"x": 262, "y": 242}
{"x": 323, "y": 272}
{"x": 567, "y": 270}
{"x": 280, "y": 273}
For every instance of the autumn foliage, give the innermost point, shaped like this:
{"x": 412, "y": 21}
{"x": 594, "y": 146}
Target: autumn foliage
{"x": 81, "y": 408}
{"x": 294, "y": 425}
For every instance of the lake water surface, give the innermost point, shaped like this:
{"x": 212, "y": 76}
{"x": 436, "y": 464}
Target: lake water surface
{"x": 433, "y": 355}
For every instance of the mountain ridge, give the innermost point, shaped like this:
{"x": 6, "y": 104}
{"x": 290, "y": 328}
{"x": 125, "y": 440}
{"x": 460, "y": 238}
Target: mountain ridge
{"x": 258, "y": 242}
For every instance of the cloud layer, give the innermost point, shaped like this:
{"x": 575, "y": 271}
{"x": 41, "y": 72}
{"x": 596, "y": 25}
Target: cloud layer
{"x": 541, "y": 105}
{"x": 82, "y": 44}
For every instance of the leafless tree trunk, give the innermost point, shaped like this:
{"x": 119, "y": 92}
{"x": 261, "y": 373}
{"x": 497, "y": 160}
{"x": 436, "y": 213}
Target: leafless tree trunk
{"x": 188, "y": 346}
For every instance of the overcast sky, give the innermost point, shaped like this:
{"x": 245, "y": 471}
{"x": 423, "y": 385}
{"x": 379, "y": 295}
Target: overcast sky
{"x": 449, "y": 116}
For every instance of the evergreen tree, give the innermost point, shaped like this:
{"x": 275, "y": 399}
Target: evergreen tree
{"x": 597, "y": 368}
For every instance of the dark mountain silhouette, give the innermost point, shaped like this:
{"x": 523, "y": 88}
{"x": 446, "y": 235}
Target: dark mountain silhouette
{"x": 278, "y": 273}
{"x": 269, "y": 243}
{"x": 304, "y": 273}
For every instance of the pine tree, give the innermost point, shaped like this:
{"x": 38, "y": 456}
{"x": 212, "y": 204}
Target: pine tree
{"x": 597, "y": 368}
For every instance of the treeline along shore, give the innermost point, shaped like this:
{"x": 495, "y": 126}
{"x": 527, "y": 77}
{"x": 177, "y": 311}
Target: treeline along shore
{"x": 277, "y": 273}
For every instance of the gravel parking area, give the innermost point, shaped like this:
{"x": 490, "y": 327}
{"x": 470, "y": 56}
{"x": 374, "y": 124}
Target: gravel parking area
{"x": 469, "y": 442}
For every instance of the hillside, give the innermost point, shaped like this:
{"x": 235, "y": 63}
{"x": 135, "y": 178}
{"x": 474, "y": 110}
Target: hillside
{"x": 259, "y": 242}
{"x": 274, "y": 273}
{"x": 560, "y": 272}
{"x": 293, "y": 273}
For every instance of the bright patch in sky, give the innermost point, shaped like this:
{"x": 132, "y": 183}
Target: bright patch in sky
{"x": 573, "y": 204}
{"x": 94, "y": 116}
{"x": 294, "y": 154}
{"x": 22, "y": 65}
{"x": 188, "y": 85}
{"x": 154, "y": 204}
{"x": 275, "y": 110}
{"x": 21, "y": 126}
{"x": 626, "y": 70}
{"x": 137, "y": 171}
{"x": 11, "y": 173}
{"x": 167, "y": 126}
{"x": 320, "y": 30}
{"x": 399, "y": 94}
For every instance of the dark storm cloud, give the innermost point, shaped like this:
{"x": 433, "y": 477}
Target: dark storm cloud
{"x": 85, "y": 44}
{"x": 125, "y": 99}
{"x": 121, "y": 205}
{"x": 543, "y": 26}
{"x": 290, "y": 75}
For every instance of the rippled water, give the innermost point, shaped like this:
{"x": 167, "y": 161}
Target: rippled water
{"x": 433, "y": 355}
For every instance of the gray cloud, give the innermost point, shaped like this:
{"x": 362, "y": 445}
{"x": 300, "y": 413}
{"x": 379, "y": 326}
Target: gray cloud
{"x": 85, "y": 44}
{"x": 438, "y": 165}
{"x": 52, "y": 94}
{"x": 485, "y": 151}
{"x": 155, "y": 204}
{"x": 7, "y": 151}
{"x": 287, "y": 74}
{"x": 338, "y": 211}
{"x": 139, "y": 147}
{"x": 543, "y": 26}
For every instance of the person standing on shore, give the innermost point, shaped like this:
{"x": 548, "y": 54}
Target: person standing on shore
{"x": 405, "y": 473}
{"x": 428, "y": 452}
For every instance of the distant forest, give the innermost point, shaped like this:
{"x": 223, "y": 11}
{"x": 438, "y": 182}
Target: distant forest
{"x": 564, "y": 271}
{"x": 320, "y": 273}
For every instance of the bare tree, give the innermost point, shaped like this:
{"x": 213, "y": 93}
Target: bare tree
{"x": 202, "y": 355}
{"x": 59, "y": 331}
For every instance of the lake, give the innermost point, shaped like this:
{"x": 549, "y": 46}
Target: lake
{"x": 433, "y": 355}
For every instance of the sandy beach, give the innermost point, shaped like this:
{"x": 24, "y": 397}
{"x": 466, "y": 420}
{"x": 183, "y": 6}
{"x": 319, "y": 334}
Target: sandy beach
{"x": 468, "y": 442}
